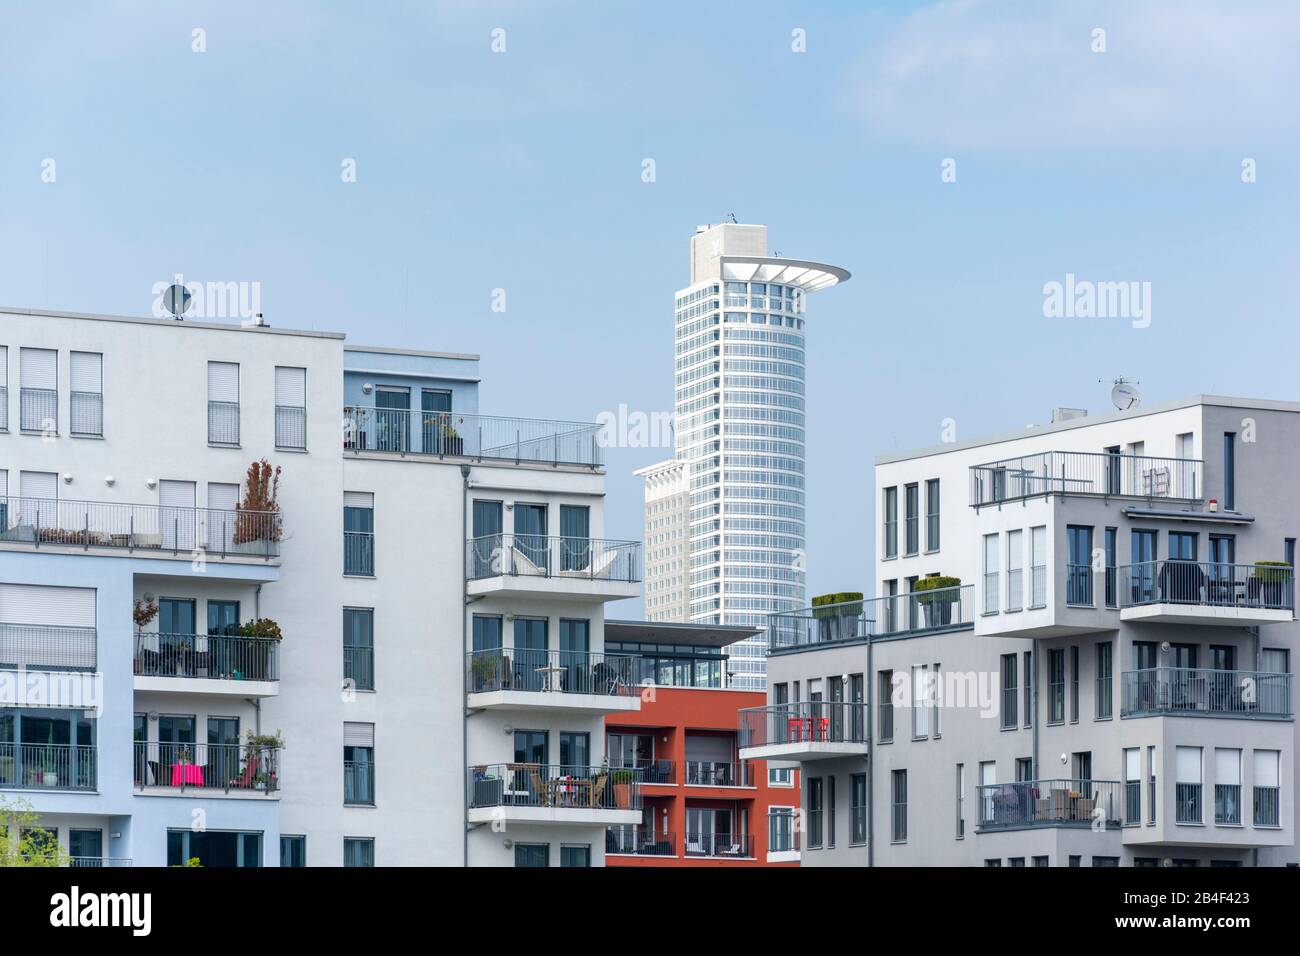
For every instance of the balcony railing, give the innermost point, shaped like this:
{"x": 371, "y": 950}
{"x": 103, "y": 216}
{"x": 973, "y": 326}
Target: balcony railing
{"x": 40, "y": 647}
{"x": 1267, "y": 805}
{"x": 47, "y": 766}
{"x": 554, "y": 672}
{"x": 735, "y": 845}
{"x": 1085, "y": 473}
{"x": 713, "y": 773}
{"x": 1207, "y": 692}
{"x": 139, "y": 527}
{"x": 290, "y": 426}
{"x": 892, "y": 615}
{"x": 4, "y": 408}
{"x": 783, "y": 836}
{"x": 815, "y": 721}
{"x": 1049, "y": 803}
{"x": 358, "y": 782}
{"x": 208, "y": 656}
{"x": 223, "y": 423}
{"x": 359, "y": 665}
{"x": 228, "y": 767}
{"x": 359, "y": 553}
{"x": 99, "y": 861}
{"x": 630, "y": 840}
{"x": 531, "y": 555}
{"x": 1207, "y": 583}
{"x": 654, "y": 771}
{"x": 38, "y": 409}
{"x": 541, "y": 785}
{"x": 86, "y": 414}
{"x": 481, "y": 437}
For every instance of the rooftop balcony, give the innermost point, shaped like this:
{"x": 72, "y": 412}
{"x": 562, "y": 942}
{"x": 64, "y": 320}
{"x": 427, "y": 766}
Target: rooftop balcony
{"x": 538, "y": 566}
{"x": 1085, "y": 473}
{"x": 1029, "y": 804}
{"x": 198, "y": 770}
{"x": 1203, "y": 592}
{"x": 569, "y": 681}
{"x": 207, "y": 664}
{"x": 42, "y": 766}
{"x": 808, "y": 730}
{"x": 1202, "y": 692}
{"x": 402, "y": 432}
{"x": 537, "y": 793}
{"x": 892, "y": 616}
{"x": 70, "y": 525}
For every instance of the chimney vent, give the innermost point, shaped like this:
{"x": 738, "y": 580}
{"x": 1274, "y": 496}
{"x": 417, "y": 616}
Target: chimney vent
{"x": 1061, "y": 414}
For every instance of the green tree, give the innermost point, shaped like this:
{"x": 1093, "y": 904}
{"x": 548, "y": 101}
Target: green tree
{"x": 24, "y": 842}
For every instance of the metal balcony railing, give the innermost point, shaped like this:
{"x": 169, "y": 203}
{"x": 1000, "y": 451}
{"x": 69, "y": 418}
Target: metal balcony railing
{"x": 713, "y": 773}
{"x": 4, "y": 408}
{"x": 1268, "y": 802}
{"x": 99, "y": 861}
{"x": 229, "y": 767}
{"x": 38, "y": 410}
{"x": 481, "y": 437}
{"x": 359, "y": 782}
{"x": 1049, "y": 803}
{"x": 359, "y": 665}
{"x": 208, "y": 656}
{"x": 1206, "y": 692}
{"x": 41, "y": 647}
{"x": 550, "y": 672}
{"x": 532, "y": 555}
{"x": 1207, "y": 583}
{"x": 815, "y": 721}
{"x": 543, "y": 785}
{"x": 86, "y": 414}
{"x": 359, "y": 553}
{"x": 1085, "y": 473}
{"x": 783, "y": 836}
{"x": 33, "y": 766}
{"x": 735, "y": 845}
{"x": 892, "y": 615}
{"x": 101, "y": 524}
{"x": 223, "y": 423}
{"x": 654, "y": 771}
{"x": 632, "y": 840}
{"x": 290, "y": 426}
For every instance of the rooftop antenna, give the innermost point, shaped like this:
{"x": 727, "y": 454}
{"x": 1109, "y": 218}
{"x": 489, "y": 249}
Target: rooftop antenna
{"x": 1124, "y": 394}
{"x": 177, "y": 301}
{"x": 732, "y": 217}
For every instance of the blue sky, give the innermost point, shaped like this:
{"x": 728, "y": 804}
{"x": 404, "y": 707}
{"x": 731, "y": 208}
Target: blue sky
{"x": 522, "y": 170}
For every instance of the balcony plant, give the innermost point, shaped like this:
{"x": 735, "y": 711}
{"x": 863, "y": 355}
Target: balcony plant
{"x": 837, "y": 614}
{"x": 257, "y": 518}
{"x": 936, "y": 594}
{"x": 622, "y": 780}
{"x": 143, "y": 612}
{"x": 487, "y": 669}
{"x": 1269, "y": 582}
{"x": 452, "y": 443}
{"x": 256, "y": 654}
{"x": 35, "y": 846}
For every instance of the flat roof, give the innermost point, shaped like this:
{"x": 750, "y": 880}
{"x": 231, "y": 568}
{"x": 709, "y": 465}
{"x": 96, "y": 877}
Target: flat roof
{"x": 419, "y": 353}
{"x": 672, "y": 632}
{"x": 184, "y": 323}
{"x": 1222, "y": 401}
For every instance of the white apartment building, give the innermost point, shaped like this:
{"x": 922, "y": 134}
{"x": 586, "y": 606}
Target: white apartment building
{"x": 739, "y": 408}
{"x": 667, "y": 530}
{"x": 1104, "y": 679}
{"x": 399, "y": 663}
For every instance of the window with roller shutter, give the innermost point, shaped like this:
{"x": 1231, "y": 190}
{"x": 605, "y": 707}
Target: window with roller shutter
{"x": 38, "y": 392}
{"x": 4, "y": 388}
{"x": 223, "y": 403}
{"x": 290, "y": 407}
{"x": 86, "y": 394}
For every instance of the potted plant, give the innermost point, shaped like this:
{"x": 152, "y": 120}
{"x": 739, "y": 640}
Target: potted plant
{"x": 486, "y": 669}
{"x": 256, "y": 653}
{"x": 937, "y": 594}
{"x": 1270, "y": 583}
{"x": 257, "y": 516}
{"x": 452, "y": 443}
{"x": 837, "y": 615}
{"x": 622, "y": 780}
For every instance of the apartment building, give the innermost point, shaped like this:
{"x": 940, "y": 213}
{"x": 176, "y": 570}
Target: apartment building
{"x": 385, "y": 648}
{"x": 1080, "y": 652}
{"x": 702, "y": 805}
{"x": 667, "y": 545}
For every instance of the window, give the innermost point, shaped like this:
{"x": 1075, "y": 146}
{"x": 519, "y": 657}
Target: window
{"x": 4, "y": 389}
{"x": 911, "y": 526}
{"x": 815, "y": 813}
{"x": 1187, "y": 785}
{"x": 1227, "y": 787}
{"x": 830, "y": 812}
{"x": 898, "y": 801}
{"x": 358, "y": 533}
{"x": 990, "y": 574}
{"x": 1056, "y": 686}
{"x": 223, "y": 403}
{"x": 293, "y": 851}
{"x": 1146, "y": 861}
{"x": 922, "y": 691}
{"x": 932, "y": 515}
{"x": 1015, "y": 570}
{"x": 1267, "y": 789}
{"x": 858, "y": 809}
{"x": 1230, "y": 471}
{"x": 1040, "y": 861}
{"x": 86, "y": 398}
{"x": 1028, "y": 671}
{"x": 1009, "y": 691}
{"x": 1074, "y": 684}
{"x": 572, "y": 855}
{"x": 359, "y": 764}
{"x": 961, "y": 801}
{"x": 358, "y": 851}
{"x": 1104, "y": 703}
{"x": 1038, "y": 567}
{"x": 886, "y": 706}
{"x": 1105, "y": 861}
{"x": 290, "y": 407}
{"x": 214, "y": 848}
{"x": 1016, "y": 861}
{"x": 890, "y": 513}
{"x": 38, "y": 393}
{"x": 1076, "y": 860}
{"x": 780, "y": 830}
{"x": 1078, "y": 581}
{"x": 85, "y": 847}
{"x": 1132, "y": 786}
{"x": 1111, "y": 543}
{"x": 359, "y": 647}
{"x": 1151, "y": 785}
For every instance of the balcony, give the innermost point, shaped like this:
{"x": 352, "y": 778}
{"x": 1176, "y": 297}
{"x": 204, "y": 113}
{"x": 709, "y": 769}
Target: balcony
{"x": 207, "y": 664}
{"x": 538, "y": 793}
{"x": 724, "y": 846}
{"x": 40, "y": 766}
{"x": 96, "y": 862}
{"x": 1205, "y": 592}
{"x": 1028, "y": 804}
{"x": 403, "y": 432}
{"x": 891, "y": 616}
{"x": 1095, "y": 474}
{"x": 63, "y": 524}
{"x": 538, "y": 566}
{"x": 1202, "y": 692}
{"x": 175, "y": 769}
{"x": 637, "y": 841}
{"x": 571, "y": 681}
{"x": 713, "y": 773}
{"x": 810, "y": 730}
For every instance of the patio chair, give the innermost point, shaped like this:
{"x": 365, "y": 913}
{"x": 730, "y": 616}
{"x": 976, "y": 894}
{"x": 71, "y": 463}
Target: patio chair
{"x": 598, "y": 789}
{"x": 245, "y": 780}
{"x": 539, "y": 787}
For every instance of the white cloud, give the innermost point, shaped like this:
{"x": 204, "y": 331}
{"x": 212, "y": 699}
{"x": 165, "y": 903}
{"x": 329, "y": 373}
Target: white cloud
{"x": 1022, "y": 75}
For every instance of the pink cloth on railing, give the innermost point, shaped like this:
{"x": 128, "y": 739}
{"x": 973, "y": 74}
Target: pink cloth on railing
{"x": 187, "y": 774}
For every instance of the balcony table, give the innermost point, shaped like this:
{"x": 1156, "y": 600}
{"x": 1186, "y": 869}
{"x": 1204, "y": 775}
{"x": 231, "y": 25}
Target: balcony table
{"x": 548, "y": 677}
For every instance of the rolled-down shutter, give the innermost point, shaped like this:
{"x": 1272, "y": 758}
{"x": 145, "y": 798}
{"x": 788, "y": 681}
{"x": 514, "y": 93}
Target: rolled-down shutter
{"x": 358, "y": 499}
{"x": 47, "y": 627}
{"x": 47, "y": 605}
{"x": 223, "y": 382}
{"x": 1187, "y": 764}
{"x": 290, "y": 387}
{"x": 4, "y": 366}
{"x": 39, "y": 484}
{"x": 39, "y": 368}
{"x": 358, "y": 735}
{"x": 1266, "y": 768}
{"x": 86, "y": 372}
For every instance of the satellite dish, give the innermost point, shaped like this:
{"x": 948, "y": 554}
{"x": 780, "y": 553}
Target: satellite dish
{"x": 177, "y": 300}
{"x": 1125, "y": 395}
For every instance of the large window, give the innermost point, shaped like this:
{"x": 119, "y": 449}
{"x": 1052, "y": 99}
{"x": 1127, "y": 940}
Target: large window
{"x": 912, "y": 531}
{"x": 1015, "y": 570}
{"x": 922, "y": 700}
{"x": 38, "y": 390}
{"x": 86, "y": 394}
{"x": 575, "y": 855}
{"x": 932, "y": 515}
{"x": 359, "y": 647}
{"x": 1267, "y": 788}
{"x": 359, "y": 764}
{"x": 1038, "y": 567}
{"x": 1132, "y": 786}
{"x": 858, "y": 809}
{"x": 1227, "y": 787}
{"x": 1056, "y": 686}
{"x": 890, "y": 513}
{"x": 1187, "y": 785}
{"x": 886, "y": 706}
{"x": 1105, "y": 681}
{"x": 815, "y": 809}
{"x": 214, "y": 848}
{"x": 1009, "y": 691}
{"x": 780, "y": 830}
{"x": 1078, "y": 582}
{"x": 898, "y": 806}
{"x": 358, "y": 533}
{"x": 990, "y": 574}
{"x": 223, "y": 403}
{"x": 290, "y": 407}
